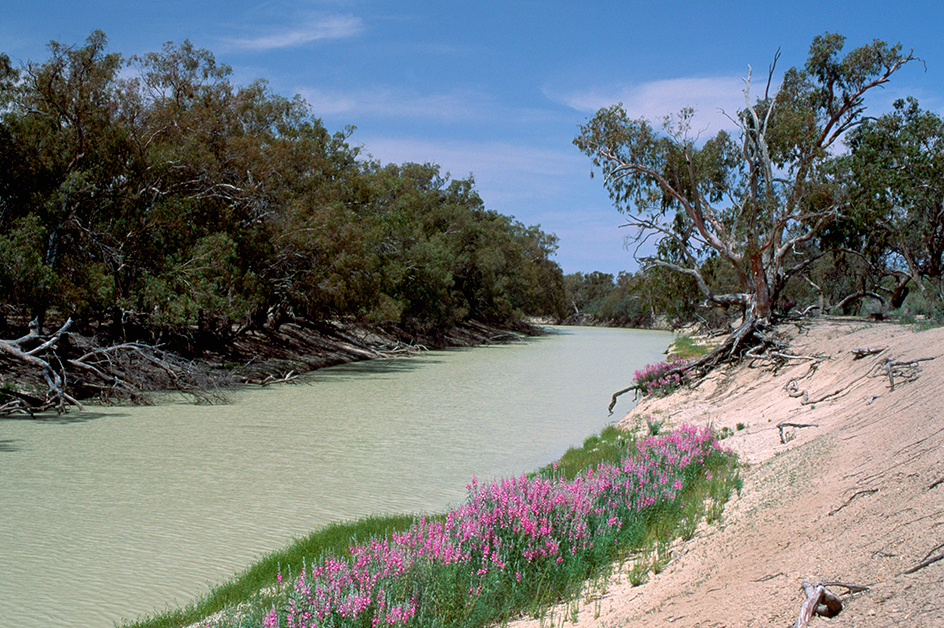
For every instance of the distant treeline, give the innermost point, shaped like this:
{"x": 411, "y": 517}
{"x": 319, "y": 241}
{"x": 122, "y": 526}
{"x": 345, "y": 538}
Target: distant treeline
{"x": 152, "y": 191}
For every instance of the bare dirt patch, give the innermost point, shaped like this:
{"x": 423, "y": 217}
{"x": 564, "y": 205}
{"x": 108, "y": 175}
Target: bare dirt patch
{"x": 857, "y": 497}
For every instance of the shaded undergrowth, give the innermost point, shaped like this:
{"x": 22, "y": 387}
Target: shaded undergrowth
{"x": 515, "y": 546}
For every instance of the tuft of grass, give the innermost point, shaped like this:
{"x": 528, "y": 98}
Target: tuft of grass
{"x": 333, "y": 539}
{"x": 607, "y": 447}
{"x": 686, "y": 348}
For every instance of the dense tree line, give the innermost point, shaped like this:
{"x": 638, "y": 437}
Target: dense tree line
{"x": 811, "y": 205}
{"x": 150, "y": 193}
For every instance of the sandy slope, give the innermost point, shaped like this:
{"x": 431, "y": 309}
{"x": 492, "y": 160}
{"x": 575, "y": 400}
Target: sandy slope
{"x": 858, "y": 499}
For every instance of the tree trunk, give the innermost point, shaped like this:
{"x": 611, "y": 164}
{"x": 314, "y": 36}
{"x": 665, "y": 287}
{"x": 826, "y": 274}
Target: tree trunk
{"x": 763, "y": 304}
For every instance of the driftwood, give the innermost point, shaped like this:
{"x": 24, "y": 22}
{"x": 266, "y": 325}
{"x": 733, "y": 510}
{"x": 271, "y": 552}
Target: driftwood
{"x": 821, "y": 601}
{"x": 904, "y": 370}
{"x": 56, "y": 397}
{"x": 780, "y": 426}
{"x": 73, "y": 367}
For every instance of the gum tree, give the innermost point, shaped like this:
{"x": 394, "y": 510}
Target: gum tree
{"x": 756, "y": 201}
{"x": 898, "y": 162}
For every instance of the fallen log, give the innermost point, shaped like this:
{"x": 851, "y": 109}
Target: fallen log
{"x": 56, "y": 397}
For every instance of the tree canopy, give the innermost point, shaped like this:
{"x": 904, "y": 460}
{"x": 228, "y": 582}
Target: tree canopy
{"x": 152, "y": 193}
{"x": 757, "y": 202}
{"x": 897, "y": 161}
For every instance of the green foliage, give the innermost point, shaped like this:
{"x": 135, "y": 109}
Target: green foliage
{"x": 608, "y": 447}
{"x": 643, "y": 299}
{"x": 756, "y": 204}
{"x": 898, "y": 161}
{"x": 153, "y": 187}
{"x": 24, "y": 277}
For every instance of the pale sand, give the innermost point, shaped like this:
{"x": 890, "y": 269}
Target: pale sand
{"x": 859, "y": 499}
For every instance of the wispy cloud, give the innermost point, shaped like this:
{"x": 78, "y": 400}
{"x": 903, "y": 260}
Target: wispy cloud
{"x": 510, "y": 175}
{"x": 711, "y": 98}
{"x": 457, "y": 105}
{"x": 536, "y": 185}
{"x": 332, "y": 27}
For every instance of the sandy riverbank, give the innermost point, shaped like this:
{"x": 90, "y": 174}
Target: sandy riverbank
{"x": 858, "y": 499}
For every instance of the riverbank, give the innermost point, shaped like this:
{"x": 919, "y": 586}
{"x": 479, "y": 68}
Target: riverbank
{"x": 123, "y": 364}
{"x": 855, "y": 497}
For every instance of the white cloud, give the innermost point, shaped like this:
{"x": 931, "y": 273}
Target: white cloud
{"x": 334, "y": 27}
{"x": 458, "y": 105}
{"x": 711, "y": 98}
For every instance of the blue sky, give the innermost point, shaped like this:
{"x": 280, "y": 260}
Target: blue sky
{"x": 497, "y": 89}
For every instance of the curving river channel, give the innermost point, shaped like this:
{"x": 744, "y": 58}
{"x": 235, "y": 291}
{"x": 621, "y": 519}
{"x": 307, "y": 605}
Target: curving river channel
{"x": 114, "y": 513}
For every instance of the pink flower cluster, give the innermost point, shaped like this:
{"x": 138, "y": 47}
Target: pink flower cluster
{"x": 505, "y": 531}
{"x": 656, "y": 377}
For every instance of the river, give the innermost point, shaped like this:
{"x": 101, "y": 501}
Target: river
{"x": 117, "y": 512}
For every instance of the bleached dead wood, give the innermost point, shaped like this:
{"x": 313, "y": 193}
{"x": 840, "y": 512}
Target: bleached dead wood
{"x": 56, "y": 396}
{"x": 903, "y": 370}
{"x": 865, "y": 351}
{"x": 72, "y": 366}
{"x": 821, "y": 601}
{"x": 780, "y": 426}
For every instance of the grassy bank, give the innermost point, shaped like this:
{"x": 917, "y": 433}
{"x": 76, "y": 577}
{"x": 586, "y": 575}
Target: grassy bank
{"x": 515, "y": 546}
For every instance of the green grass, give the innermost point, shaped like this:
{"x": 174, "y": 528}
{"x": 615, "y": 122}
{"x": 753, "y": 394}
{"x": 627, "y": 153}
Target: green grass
{"x": 335, "y": 539}
{"x": 609, "y": 446}
{"x": 685, "y": 347}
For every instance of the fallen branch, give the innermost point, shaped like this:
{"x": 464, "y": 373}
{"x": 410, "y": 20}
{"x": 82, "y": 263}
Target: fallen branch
{"x": 819, "y": 601}
{"x": 852, "y": 588}
{"x": 56, "y": 396}
{"x": 863, "y": 352}
{"x": 272, "y": 379}
{"x": 780, "y": 426}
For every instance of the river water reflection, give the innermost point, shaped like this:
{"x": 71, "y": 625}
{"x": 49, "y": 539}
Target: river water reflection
{"x": 117, "y": 512}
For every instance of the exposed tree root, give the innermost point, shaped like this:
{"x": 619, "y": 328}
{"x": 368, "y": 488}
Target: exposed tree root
{"x": 751, "y": 340}
{"x": 868, "y": 491}
{"x": 928, "y": 560}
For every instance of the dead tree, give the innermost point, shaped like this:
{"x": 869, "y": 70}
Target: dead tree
{"x": 72, "y": 367}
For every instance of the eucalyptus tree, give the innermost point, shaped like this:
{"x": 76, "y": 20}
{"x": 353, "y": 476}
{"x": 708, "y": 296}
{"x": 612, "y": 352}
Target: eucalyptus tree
{"x": 64, "y": 167}
{"x": 897, "y": 161}
{"x": 756, "y": 201}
